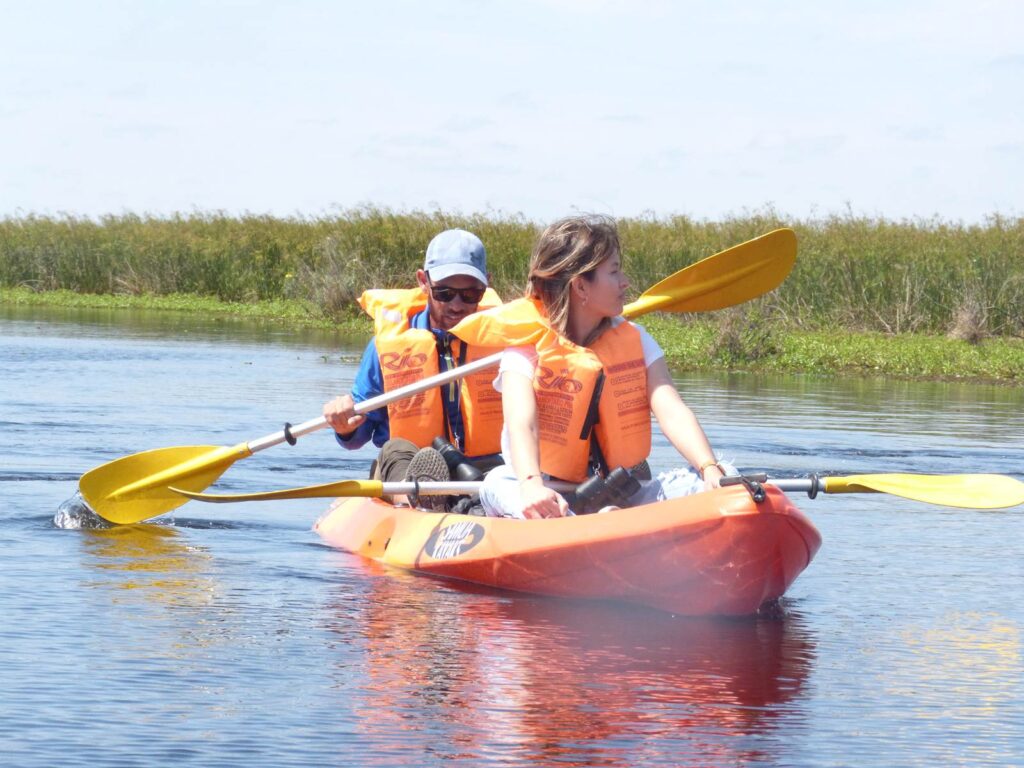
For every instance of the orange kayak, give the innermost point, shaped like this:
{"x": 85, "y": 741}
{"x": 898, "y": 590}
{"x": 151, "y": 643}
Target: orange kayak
{"x": 714, "y": 553}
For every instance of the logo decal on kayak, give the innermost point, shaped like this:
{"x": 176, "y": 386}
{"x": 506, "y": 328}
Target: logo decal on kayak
{"x": 454, "y": 540}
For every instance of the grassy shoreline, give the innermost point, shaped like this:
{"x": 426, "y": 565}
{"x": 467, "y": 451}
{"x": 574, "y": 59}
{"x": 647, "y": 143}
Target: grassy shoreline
{"x": 704, "y": 342}
{"x": 859, "y": 274}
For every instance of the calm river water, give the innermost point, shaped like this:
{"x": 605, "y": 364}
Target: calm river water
{"x": 231, "y": 636}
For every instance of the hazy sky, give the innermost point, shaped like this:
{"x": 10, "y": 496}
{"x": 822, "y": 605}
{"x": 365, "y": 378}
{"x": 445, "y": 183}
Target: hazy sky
{"x": 896, "y": 108}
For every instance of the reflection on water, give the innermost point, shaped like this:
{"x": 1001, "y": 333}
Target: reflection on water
{"x": 90, "y": 322}
{"x": 858, "y": 404}
{"x": 571, "y": 682}
{"x": 794, "y": 425}
{"x": 977, "y": 652}
{"x": 155, "y": 559}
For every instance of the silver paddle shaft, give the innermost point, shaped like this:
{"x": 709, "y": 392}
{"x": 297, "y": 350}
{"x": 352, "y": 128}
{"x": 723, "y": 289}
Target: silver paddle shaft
{"x": 380, "y": 401}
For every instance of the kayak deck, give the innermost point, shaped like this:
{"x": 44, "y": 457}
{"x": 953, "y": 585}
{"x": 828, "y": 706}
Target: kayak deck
{"x": 714, "y": 553}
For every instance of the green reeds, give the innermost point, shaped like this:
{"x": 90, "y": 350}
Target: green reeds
{"x": 860, "y": 274}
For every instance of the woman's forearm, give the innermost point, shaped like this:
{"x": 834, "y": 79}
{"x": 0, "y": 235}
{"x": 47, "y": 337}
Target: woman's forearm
{"x": 519, "y": 406}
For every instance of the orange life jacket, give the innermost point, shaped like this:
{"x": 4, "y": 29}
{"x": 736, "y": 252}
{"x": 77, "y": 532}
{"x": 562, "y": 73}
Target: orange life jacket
{"x": 566, "y": 384}
{"x": 411, "y": 354}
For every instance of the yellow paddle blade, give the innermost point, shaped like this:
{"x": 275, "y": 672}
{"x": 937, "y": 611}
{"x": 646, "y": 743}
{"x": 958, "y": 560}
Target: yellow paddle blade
{"x": 728, "y": 278}
{"x": 368, "y": 488}
{"x": 134, "y": 488}
{"x": 968, "y": 491}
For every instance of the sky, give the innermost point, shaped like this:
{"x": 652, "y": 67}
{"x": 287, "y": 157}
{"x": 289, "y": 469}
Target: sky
{"x": 896, "y": 109}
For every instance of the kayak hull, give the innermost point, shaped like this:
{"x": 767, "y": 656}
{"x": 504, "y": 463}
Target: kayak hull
{"x": 714, "y": 553}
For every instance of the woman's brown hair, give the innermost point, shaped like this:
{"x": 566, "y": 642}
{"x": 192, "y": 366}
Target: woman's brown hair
{"x": 571, "y": 247}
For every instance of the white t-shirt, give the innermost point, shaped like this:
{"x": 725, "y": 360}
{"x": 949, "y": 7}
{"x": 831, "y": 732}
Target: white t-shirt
{"x": 523, "y": 360}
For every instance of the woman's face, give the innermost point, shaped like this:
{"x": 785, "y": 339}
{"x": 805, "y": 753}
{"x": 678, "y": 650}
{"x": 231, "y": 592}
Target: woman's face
{"x": 605, "y": 295}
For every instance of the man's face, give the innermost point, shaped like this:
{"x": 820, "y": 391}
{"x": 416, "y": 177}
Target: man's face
{"x": 445, "y": 315}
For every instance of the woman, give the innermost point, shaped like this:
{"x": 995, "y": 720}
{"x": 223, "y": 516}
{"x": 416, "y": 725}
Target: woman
{"x": 579, "y": 382}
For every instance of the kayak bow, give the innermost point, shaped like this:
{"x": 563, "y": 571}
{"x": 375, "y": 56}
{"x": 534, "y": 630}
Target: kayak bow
{"x": 714, "y": 553}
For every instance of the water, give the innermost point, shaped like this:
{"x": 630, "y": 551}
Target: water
{"x": 228, "y": 635}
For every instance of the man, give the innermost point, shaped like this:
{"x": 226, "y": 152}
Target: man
{"x": 412, "y": 342}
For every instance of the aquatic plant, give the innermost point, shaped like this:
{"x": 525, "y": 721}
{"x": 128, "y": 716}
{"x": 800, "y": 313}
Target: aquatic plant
{"x": 853, "y": 272}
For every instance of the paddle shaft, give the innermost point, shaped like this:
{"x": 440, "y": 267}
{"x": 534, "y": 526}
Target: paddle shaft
{"x": 371, "y": 489}
{"x": 456, "y": 488}
{"x": 376, "y": 489}
{"x": 812, "y": 486}
{"x": 379, "y": 401}
{"x": 966, "y": 491}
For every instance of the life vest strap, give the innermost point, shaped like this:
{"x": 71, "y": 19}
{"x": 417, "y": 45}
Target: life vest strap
{"x": 597, "y": 460}
{"x": 451, "y": 389}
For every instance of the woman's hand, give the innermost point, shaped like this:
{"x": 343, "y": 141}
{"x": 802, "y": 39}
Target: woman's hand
{"x": 540, "y": 501}
{"x": 341, "y": 414}
{"x": 713, "y": 477}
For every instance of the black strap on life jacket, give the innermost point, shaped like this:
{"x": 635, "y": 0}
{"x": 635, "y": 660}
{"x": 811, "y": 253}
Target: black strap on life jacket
{"x": 597, "y": 460}
{"x": 450, "y": 391}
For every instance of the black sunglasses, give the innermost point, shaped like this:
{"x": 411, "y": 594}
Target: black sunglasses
{"x": 444, "y": 294}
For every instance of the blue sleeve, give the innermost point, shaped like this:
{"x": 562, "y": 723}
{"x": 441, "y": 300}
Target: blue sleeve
{"x": 368, "y": 384}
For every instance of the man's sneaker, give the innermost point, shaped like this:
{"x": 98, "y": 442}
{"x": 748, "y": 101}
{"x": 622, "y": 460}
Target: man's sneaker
{"x": 428, "y": 466}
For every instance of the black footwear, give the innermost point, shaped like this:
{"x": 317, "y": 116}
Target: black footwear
{"x": 466, "y": 505}
{"x": 428, "y": 466}
{"x": 598, "y": 493}
{"x": 641, "y": 471}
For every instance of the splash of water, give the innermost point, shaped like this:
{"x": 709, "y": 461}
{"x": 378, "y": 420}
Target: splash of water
{"x": 76, "y": 513}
